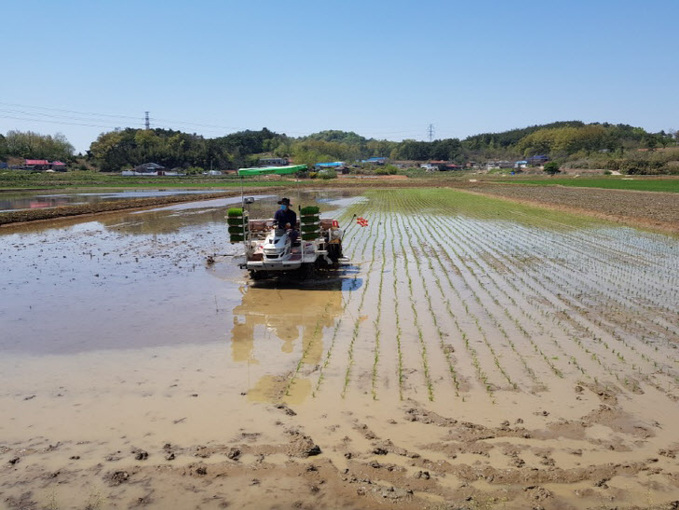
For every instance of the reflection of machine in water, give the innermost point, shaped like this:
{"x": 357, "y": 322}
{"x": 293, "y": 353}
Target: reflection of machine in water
{"x": 266, "y": 326}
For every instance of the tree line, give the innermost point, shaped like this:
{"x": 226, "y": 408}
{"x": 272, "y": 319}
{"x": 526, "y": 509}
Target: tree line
{"x": 120, "y": 149}
{"x": 30, "y": 145}
{"x": 563, "y": 141}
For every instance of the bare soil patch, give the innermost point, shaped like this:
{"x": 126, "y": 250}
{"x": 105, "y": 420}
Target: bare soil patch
{"x": 647, "y": 209}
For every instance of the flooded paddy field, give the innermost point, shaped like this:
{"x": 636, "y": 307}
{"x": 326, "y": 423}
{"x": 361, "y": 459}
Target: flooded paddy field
{"x": 476, "y": 354}
{"x": 13, "y": 201}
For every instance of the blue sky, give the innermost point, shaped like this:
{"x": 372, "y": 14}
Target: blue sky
{"x": 384, "y": 69}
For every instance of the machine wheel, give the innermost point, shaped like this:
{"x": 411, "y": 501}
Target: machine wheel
{"x": 307, "y": 271}
{"x": 259, "y": 275}
{"x": 334, "y": 252}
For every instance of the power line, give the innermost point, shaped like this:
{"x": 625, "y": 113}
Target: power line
{"x": 68, "y": 117}
{"x": 62, "y": 122}
{"x": 80, "y": 116}
{"x": 69, "y": 111}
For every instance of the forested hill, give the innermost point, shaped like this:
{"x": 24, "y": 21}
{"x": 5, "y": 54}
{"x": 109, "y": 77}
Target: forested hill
{"x": 512, "y": 137}
{"x": 563, "y": 141}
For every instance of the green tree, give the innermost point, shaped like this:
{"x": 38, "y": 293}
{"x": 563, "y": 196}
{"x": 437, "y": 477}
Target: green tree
{"x": 32, "y": 145}
{"x": 552, "y": 168}
{"x": 113, "y": 150}
{"x": 3, "y": 147}
{"x": 348, "y": 137}
{"x": 650, "y": 141}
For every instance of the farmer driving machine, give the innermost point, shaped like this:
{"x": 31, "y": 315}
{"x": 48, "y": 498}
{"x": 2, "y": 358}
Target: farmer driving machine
{"x": 313, "y": 243}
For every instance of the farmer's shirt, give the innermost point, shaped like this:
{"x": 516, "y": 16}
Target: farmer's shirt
{"x": 285, "y": 216}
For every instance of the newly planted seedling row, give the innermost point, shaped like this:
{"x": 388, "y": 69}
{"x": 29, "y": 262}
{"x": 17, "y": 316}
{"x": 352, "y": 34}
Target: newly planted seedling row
{"x": 457, "y": 294}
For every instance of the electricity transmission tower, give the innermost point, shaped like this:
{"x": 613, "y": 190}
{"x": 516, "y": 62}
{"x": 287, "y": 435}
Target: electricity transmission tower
{"x": 147, "y": 121}
{"x": 430, "y": 132}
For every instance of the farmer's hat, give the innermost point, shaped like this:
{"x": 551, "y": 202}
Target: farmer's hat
{"x": 285, "y": 201}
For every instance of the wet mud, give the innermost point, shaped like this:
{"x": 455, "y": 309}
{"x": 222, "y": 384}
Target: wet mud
{"x": 475, "y": 355}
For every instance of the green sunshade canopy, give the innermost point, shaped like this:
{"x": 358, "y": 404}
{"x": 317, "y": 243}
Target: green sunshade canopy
{"x": 271, "y": 170}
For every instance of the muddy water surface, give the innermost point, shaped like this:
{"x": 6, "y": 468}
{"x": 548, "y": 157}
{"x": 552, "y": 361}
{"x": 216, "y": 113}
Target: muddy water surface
{"x": 476, "y": 355}
{"x": 13, "y": 201}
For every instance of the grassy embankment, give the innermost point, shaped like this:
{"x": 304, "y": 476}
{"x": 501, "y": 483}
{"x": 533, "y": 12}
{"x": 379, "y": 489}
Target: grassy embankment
{"x": 13, "y": 180}
{"x": 636, "y": 183}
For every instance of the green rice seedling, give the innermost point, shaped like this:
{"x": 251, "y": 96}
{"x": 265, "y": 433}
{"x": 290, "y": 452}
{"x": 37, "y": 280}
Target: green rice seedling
{"x": 357, "y": 323}
{"x": 525, "y": 313}
{"x": 377, "y": 323}
{"x": 477, "y": 323}
{"x": 536, "y": 267}
{"x": 475, "y": 362}
{"x": 309, "y": 210}
{"x": 400, "y": 374}
{"x": 423, "y": 347}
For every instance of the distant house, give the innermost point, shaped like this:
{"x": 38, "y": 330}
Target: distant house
{"x": 375, "y": 161}
{"x": 44, "y": 165}
{"x": 443, "y": 166}
{"x": 450, "y": 167}
{"x": 274, "y": 161}
{"x": 537, "y": 160}
{"x": 150, "y": 169}
{"x": 338, "y": 166}
{"x": 334, "y": 165}
{"x": 499, "y": 164}
{"x": 58, "y": 166}
{"x": 37, "y": 164}
{"x": 520, "y": 164}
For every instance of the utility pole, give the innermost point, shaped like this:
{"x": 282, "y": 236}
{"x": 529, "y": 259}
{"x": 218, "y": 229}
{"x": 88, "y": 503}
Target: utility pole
{"x": 430, "y": 131}
{"x": 147, "y": 121}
